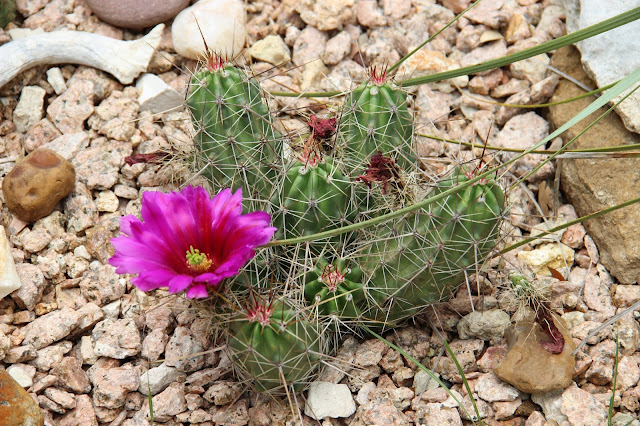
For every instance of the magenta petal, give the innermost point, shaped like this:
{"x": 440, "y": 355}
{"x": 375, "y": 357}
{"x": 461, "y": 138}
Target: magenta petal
{"x": 156, "y": 247}
{"x": 179, "y": 283}
{"x": 198, "y": 291}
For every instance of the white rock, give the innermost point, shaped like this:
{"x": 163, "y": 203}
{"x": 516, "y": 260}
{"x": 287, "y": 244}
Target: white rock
{"x": 9, "y": 280}
{"x": 81, "y": 251}
{"x": 107, "y": 201}
{"x": 22, "y": 374}
{"x": 329, "y": 400}
{"x": 222, "y": 23}
{"x": 86, "y": 351}
{"x": 485, "y": 325}
{"x": 313, "y": 74}
{"x": 156, "y": 95}
{"x": 30, "y": 108}
{"x": 551, "y": 402}
{"x": 610, "y": 56}
{"x": 18, "y": 33}
{"x": 56, "y": 80}
{"x": 423, "y": 382}
{"x": 112, "y": 310}
{"x": 157, "y": 379}
{"x": 271, "y": 49}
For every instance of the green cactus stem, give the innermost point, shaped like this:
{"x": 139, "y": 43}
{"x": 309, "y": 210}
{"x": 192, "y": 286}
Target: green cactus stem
{"x": 273, "y": 347}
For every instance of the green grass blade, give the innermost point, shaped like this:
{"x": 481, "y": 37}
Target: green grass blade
{"x": 618, "y": 89}
{"x": 606, "y": 25}
{"x": 425, "y": 369}
{"x": 615, "y": 380}
{"x": 464, "y": 379}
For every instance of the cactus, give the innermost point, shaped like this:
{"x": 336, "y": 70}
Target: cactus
{"x": 422, "y": 257}
{"x": 7, "y": 12}
{"x": 315, "y": 196}
{"x": 273, "y": 346}
{"x": 335, "y": 289}
{"x": 236, "y": 143}
{"x": 376, "y": 119}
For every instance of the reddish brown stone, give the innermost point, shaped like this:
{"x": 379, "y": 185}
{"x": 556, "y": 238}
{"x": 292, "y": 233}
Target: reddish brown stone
{"x": 16, "y": 406}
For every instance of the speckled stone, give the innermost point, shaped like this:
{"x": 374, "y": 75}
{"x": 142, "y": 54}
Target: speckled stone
{"x": 17, "y": 407}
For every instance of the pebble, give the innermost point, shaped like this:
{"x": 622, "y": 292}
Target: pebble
{"x": 22, "y": 374}
{"x": 156, "y": 95}
{"x": 37, "y": 183}
{"x": 554, "y": 255}
{"x": 532, "y": 369}
{"x": 425, "y": 62}
{"x": 581, "y": 408}
{"x": 337, "y": 48}
{"x": 169, "y": 402}
{"x": 222, "y": 23}
{"x": 56, "y": 80}
{"x": 310, "y": 44}
{"x": 9, "y": 279}
{"x": 533, "y": 69}
{"x": 30, "y": 108}
{"x": 82, "y": 414}
{"x": 107, "y": 201}
{"x": 486, "y": 325}
{"x": 67, "y": 146}
{"x": 50, "y": 328}
{"x": 40, "y": 134}
{"x": 369, "y": 15}
{"x": 325, "y": 15}
{"x": 69, "y": 111}
{"x": 116, "y": 339}
{"x": 136, "y": 15}
{"x": 18, "y": 408}
{"x": 271, "y": 49}
{"x": 111, "y": 385}
{"x": 71, "y": 376}
{"x": 28, "y": 296}
{"x": 329, "y": 400}
{"x": 156, "y": 379}
{"x": 492, "y": 389}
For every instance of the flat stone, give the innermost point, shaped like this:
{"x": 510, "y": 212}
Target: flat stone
{"x": 532, "y": 369}
{"x": 56, "y": 80}
{"x": 610, "y": 56}
{"x": 595, "y": 184}
{"x": 329, "y": 400}
{"x": 22, "y": 374}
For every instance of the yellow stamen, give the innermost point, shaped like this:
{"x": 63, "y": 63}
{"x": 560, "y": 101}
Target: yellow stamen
{"x": 196, "y": 261}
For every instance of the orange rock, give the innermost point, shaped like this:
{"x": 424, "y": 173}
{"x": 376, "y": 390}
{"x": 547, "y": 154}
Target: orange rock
{"x": 36, "y": 184}
{"x": 16, "y": 406}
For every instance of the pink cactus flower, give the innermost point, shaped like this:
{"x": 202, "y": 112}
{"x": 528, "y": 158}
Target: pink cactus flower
{"x": 188, "y": 241}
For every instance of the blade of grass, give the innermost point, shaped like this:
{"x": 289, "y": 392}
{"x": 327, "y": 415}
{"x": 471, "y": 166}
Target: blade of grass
{"x": 464, "y": 379}
{"x": 423, "y": 368}
{"x": 615, "y": 380}
{"x": 593, "y": 30}
{"x": 615, "y": 91}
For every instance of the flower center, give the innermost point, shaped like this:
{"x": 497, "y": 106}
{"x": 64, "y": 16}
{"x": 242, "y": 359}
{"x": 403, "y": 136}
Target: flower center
{"x": 196, "y": 261}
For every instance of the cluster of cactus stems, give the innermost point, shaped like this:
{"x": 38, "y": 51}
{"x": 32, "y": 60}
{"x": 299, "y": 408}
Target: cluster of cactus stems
{"x": 352, "y": 169}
